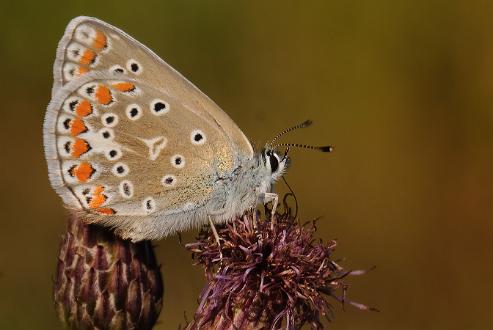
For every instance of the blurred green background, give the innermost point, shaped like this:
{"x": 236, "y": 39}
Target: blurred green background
{"x": 403, "y": 89}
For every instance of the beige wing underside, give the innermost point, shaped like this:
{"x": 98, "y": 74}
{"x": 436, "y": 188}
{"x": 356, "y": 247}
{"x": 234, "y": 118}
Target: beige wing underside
{"x": 102, "y": 158}
{"x": 90, "y": 44}
{"x": 116, "y": 146}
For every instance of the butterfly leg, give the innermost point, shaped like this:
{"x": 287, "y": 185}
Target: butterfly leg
{"x": 216, "y": 236}
{"x": 274, "y": 198}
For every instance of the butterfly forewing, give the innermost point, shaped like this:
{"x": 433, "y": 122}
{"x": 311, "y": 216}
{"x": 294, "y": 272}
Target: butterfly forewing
{"x": 90, "y": 45}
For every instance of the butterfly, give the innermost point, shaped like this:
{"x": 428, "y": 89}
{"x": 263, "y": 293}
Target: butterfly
{"x": 133, "y": 145}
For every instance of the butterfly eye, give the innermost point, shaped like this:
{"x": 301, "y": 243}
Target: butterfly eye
{"x": 274, "y": 162}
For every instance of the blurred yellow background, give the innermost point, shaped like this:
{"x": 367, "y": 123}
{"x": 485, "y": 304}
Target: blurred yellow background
{"x": 402, "y": 89}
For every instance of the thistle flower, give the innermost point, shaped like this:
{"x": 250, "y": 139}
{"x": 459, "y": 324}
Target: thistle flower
{"x": 103, "y": 282}
{"x": 271, "y": 275}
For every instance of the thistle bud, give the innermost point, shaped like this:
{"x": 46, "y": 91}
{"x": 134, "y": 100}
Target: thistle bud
{"x": 267, "y": 275}
{"x": 104, "y": 282}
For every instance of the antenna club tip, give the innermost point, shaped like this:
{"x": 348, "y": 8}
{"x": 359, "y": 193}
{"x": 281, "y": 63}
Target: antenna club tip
{"x": 327, "y": 149}
{"x": 307, "y": 123}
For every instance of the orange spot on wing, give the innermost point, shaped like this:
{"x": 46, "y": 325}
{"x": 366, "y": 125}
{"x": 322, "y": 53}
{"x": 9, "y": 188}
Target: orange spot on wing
{"x": 84, "y": 108}
{"x": 83, "y": 172}
{"x": 98, "y": 198}
{"x": 97, "y": 201}
{"x": 106, "y": 211}
{"x": 77, "y": 127}
{"x": 124, "y": 86}
{"x": 103, "y": 95}
{"x": 88, "y": 57}
{"x": 82, "y": 70}
{"x": 98, "y": 190}
{"x": 100, "y": 41}
{"x": 80, "y": 147}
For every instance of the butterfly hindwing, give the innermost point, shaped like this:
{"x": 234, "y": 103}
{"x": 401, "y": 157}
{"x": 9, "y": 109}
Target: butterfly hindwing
{"x": 116, "y": 146}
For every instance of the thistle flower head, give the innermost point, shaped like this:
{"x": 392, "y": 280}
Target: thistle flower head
{"x": 104, "y": 282}
{"x": 271, "y": 275}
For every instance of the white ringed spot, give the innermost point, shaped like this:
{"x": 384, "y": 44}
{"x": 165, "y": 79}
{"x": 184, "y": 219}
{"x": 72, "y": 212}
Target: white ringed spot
{"x": 75, "y": 52}
{"x": 117, "y": 69}
{"x": 134, "y": 66}
{"x": 88, "y": 90}
{"x": 63, "y": 124}
{"x": 71, "y": 70}
{"x": 168, "y": 180}
{"x": 120, "y": 169}
{"x": 71, "y": 104}
{"x": 107, "y": 133}
{"x": 134, "y": 111}
{"x": 198, "y": 137}
{"x": 149, "y": 205}
{"x": 177, "y": 161}
{"x": 113, "y": 154}
{"x": 159, "y": 107}
{"x": 126, "y": 189}
{"x": 109, "y": 119}
{"x": 82, "y": 55}
{"x": 64, "y": 144}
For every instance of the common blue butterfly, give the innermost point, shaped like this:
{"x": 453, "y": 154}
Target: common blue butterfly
{"x": 131, "y": 144}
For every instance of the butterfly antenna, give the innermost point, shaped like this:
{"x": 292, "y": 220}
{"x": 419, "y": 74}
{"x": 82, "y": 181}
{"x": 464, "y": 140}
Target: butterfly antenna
{"x": 304, "y": 124}
{"x": 305, "y": 146}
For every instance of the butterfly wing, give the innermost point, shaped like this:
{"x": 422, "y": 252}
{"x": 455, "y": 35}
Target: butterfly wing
{"x": 90, "y": 45}
{"x": 126, "y": 135}
{"x": 116, "y": 146}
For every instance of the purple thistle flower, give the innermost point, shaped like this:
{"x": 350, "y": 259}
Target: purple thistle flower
{"x": 271, "y": 275}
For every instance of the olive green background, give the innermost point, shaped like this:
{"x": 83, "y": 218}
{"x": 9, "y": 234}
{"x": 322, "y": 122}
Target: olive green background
{"x": 402, "y": 89}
